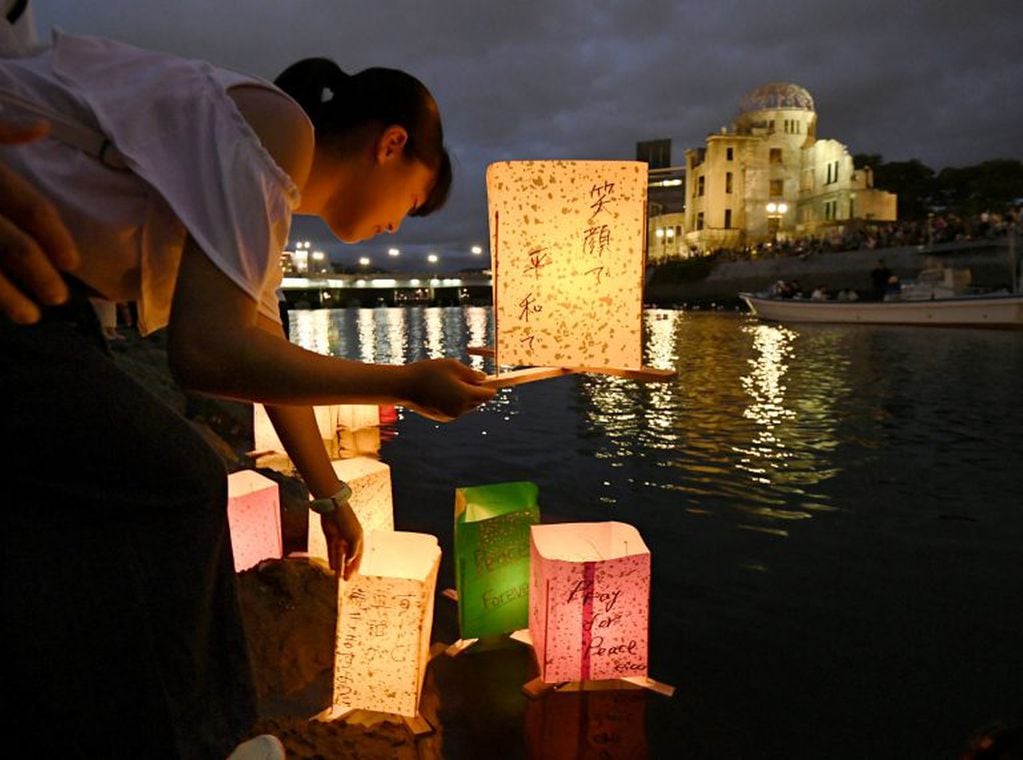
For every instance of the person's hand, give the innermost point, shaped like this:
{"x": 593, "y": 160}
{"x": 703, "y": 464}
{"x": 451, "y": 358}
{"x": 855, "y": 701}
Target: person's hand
{"x": 442, "y": 389}
{"x": 35, "y": 246}
{"x": 344, "y": 539}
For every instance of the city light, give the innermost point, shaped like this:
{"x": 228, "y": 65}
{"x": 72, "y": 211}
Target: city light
{"x": 364, "y": 261}
{"x": 477, "y": 250}
{"x": 393, "y": 252}
{"x": 433, "y": 258}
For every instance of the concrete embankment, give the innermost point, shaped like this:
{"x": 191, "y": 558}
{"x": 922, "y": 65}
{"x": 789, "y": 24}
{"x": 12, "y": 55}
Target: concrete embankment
{"x": 988, "y": 261}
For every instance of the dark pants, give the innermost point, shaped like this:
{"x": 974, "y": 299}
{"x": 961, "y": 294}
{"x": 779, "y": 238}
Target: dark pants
{"x": 122, "y": 633}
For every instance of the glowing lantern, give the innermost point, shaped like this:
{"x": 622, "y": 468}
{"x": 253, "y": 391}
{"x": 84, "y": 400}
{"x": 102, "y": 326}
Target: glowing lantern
{"x": 589, "y": 601}
{"x": 265, "y": 437}
{"x": 357, "y": 416}
{"x": 254, "y": 516}
{"x": 567, "y": 240}
{"x": 329, "y": 420}
{"x": 385, "y": 614}
{"x": 492, "y": 556}
{"x": 370, "y": 480}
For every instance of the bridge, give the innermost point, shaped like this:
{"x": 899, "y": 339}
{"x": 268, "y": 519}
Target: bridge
{"x": 341, "y": 290}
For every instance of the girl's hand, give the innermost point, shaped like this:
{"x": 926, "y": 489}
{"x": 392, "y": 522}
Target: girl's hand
{"x": 443, "y": 389}
{"x": 344, "y": 539}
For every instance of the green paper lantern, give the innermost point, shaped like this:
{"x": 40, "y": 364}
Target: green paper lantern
{"x": 492, "y": 556}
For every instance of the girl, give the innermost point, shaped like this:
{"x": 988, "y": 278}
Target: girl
{"x": 177, "y": 180}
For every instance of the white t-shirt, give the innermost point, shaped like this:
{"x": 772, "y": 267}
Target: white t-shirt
{"x": 197, "y": 169}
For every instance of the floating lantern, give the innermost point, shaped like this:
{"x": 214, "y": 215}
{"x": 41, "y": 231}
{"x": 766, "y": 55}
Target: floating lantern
{"x": 589, "y": 601}
{"x": 254, "y": 516}
{"x": 357, "y": 416}
{"x": 568, "y": 247}
{"x": 385, "y": 614}
{"x": 370, "y": 481}
{"x": 492, "y": 556}
{"x": 329, "y": 419}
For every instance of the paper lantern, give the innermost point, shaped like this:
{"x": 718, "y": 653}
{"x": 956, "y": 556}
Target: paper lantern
{"x": 591, "y": 724}
{"x": 355, "y": 443}
{"x": 370, "y": 480}
{"x": 357, "y": 416}
{"x": 589, "y": 603}
{"x": 385, "y": 614}
{"x": 329, "y": 419}
{"x": 567, "y": 242}
{"x": 254, "y": 517}
{"x": 492, "y": 556}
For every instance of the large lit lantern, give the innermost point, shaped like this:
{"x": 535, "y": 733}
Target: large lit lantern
{"x": 567, "y": 242}
{"x": 492, "y": 556}
{"x": 254, "y": 516}
{"x": 589, "y": 601}
{"x": 372, "y": 502}
{"x": 385, "y": 614}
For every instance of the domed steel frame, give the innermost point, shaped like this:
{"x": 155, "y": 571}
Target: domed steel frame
{"x": 776, "y": 95}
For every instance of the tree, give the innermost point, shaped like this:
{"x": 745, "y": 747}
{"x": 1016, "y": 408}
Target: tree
{"x": 987, "y": 186}
{"x": 912, "y": 181}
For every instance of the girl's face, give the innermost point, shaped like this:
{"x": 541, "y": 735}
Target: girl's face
{"x": 381, "y": 193}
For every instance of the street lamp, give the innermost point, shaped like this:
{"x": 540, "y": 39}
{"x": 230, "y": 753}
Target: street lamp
{"x": 393, "y": 252}
{"x": 476, "y": 250}
{"x": 364, "y": 261}
{"x": 433, "y": 258}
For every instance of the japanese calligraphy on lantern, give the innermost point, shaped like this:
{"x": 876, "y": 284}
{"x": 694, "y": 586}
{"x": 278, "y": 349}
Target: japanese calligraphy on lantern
{"x": 385, "y": 614}
{"x": 568, "y": 246}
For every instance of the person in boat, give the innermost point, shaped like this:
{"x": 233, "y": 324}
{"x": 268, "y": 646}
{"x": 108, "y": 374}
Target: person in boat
{"x": 177, "y": 181}
{"x": 879, "y": 277}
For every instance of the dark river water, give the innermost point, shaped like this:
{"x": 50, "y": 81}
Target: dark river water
{"x": 834, "y": 516}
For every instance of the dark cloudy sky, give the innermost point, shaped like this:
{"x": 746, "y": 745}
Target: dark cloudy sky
{"x": 937, "y": 80}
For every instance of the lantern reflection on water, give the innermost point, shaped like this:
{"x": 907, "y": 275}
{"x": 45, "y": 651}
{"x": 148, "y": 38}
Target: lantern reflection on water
{"x": 385, "y": 615}
{"x": 492, "y": 556}
{"x": 589, "y": 606}
{"x": 254, "y": 517}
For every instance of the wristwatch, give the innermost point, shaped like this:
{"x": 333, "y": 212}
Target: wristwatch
{"x": 329, "y": 504}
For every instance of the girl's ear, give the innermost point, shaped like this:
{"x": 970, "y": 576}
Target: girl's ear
{"x": 391, "y": 143}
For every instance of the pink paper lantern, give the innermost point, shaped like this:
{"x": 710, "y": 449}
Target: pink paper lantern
{"x": 589, "y": 602}
{"x": 254, "y": 516}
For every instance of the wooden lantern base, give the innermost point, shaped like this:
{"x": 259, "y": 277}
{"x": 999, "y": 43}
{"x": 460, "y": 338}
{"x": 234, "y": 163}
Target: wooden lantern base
{"x": 417, "y": 724}
{"x": 531, "y": 374}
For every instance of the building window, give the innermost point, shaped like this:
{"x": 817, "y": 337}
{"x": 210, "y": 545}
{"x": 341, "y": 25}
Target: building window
{"x": 678, "y": 231}
{"x": 729, "y": 154}
{"x": 775, "y": 155}
{"x": 728, "y": 182}
{"x": 836, "y": 171}
{"x": 777, "y": 188}
{"x": 829, "y": 174}
{"x": 699, "y": 220}
{"x": 700, "y": 185}
{"x": 728, "y": 218}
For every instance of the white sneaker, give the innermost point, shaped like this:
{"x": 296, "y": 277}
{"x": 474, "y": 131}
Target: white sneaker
{"x": 262, "y": 747}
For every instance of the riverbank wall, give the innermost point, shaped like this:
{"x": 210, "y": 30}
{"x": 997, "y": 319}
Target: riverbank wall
{"x": 720, "y": 282}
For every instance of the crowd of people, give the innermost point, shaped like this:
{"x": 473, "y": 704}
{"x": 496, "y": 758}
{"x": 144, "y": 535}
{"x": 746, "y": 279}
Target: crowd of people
{"x": 935, "y": 230}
